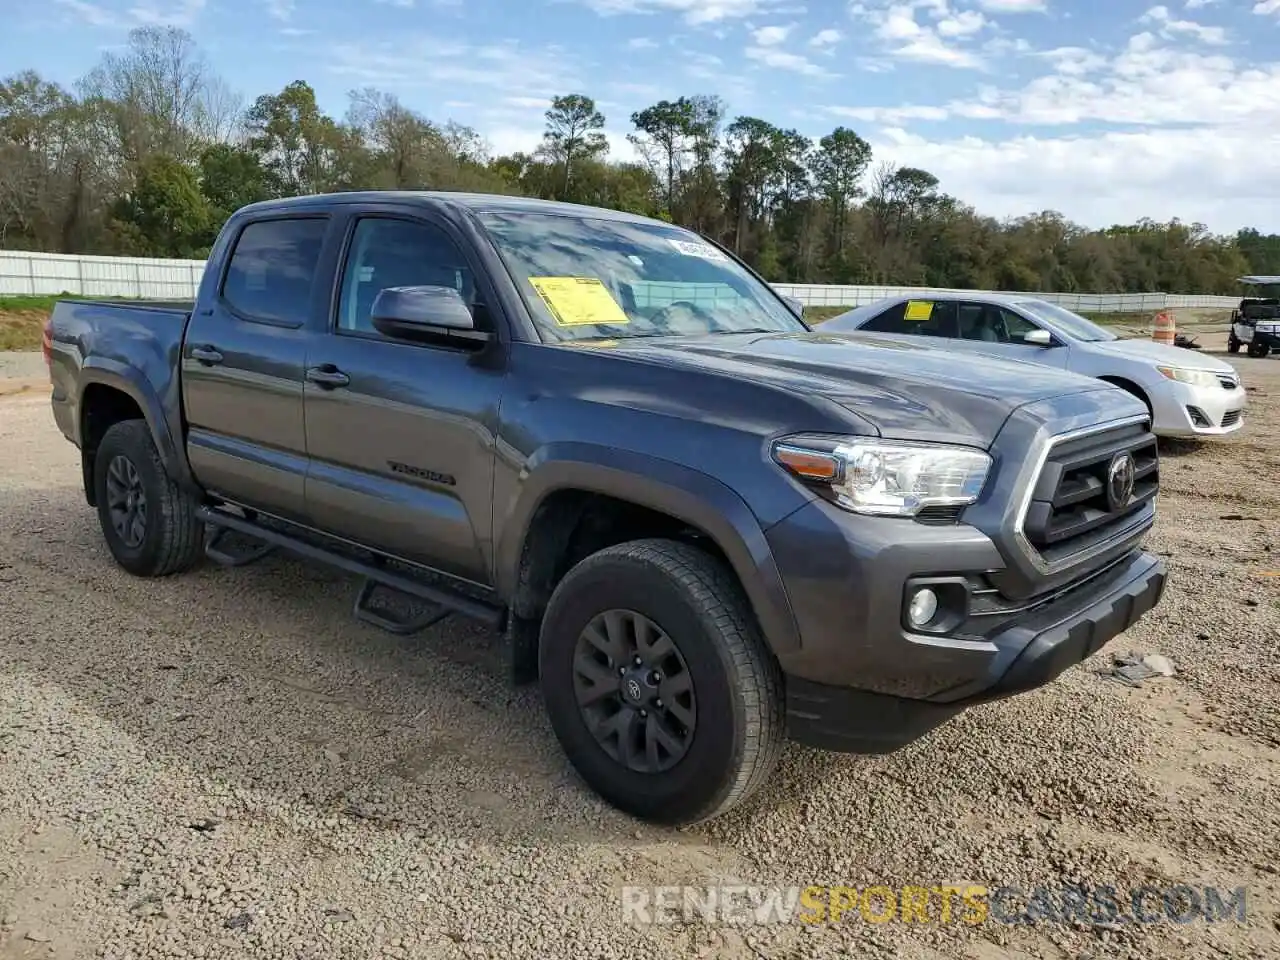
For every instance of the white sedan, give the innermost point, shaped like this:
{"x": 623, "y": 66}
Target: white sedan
{"x": 1188, "y": 393}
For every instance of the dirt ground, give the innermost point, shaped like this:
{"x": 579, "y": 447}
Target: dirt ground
{"x": 225, "y": 764}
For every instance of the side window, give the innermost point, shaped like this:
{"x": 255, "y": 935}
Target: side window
{"x": 986, "y": 321}
{"x": 1016, "y": 326}
{"x": 925, "y": 318}
{"x": 272, "y": 268}
{"x": 397, "y": 253}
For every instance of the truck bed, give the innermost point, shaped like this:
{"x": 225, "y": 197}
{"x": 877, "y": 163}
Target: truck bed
{"x": 133, "y": 346}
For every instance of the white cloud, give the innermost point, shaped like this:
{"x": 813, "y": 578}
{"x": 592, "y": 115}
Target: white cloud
{"x": 279, "y": 9}
{"x": 772, "y": 36}
{"x": 826, "y": 38}
{"x": 905, "y": 38}
{"x": 1197, "y": 4}
{"x": 531, "y": 103}
{"x": 1170, "y": 27}
{"x": 152, "y": 13}
{"x": 1104, "y": 179}
{"x": 422, "y": 62}
{"x": 771, "y": 56}
{"x": 961, "y": 24}
{"x": 1013, "y": 6}
{"x": 642, "y": 43}
{"x": 694, "y": 11}
{"x": 1266, "y": 7}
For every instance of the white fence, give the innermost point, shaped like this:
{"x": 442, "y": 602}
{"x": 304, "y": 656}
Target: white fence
{"x": 52, "y": 274}
{"x": 55, "y": 273}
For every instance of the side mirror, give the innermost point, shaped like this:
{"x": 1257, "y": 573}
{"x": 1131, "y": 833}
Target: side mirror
{"x": 424, "y": 313}
{"x": 1038, "y": 338}
{"x": 796, "y": 306}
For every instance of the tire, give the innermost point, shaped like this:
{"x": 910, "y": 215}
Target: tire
{"x": 1259, "y": 349}
{"x": 1233, "y": 345}
{"x": 168, "y": 538}
{"x": 1136, "y": 391}
{"x": 737, "y": 706}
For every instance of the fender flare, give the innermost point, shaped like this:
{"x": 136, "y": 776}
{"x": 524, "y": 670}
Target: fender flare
{"x": 130, "y": 381}
{"x": 684, "y": 493}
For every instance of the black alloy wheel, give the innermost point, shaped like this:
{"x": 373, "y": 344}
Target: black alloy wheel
{"x": 635, "y": 691}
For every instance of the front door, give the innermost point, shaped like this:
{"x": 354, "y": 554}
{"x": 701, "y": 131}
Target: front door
{"x": 1001, "y": 332}
{"x": 401, "y": 435}
{"x": 242, "y": 367}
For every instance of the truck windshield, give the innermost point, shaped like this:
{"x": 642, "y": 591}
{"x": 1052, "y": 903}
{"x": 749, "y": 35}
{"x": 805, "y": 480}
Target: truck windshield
{"x": 1071, "y": 324}
{"x": 591, "y": 278}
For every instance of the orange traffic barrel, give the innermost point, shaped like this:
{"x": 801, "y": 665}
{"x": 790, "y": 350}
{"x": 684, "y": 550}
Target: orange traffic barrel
{"x": 1163, "y": 333}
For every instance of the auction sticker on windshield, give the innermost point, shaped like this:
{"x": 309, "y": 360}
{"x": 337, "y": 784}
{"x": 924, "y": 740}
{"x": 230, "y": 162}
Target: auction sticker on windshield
{"x": 578, "y": 301}
{"x": 703, "y": 250}
{"x": 919, "y": 309}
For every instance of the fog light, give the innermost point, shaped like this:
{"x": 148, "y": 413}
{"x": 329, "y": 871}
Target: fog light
{"x": 924, "y": 604}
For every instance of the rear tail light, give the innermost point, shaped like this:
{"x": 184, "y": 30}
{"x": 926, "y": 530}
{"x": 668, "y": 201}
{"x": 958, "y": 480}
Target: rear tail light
{"x": 46, "y": 344}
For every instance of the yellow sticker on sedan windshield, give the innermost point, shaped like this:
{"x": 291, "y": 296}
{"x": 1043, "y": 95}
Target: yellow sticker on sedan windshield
{"x": 919, "y": 309}
{"x": 578, "y": 301}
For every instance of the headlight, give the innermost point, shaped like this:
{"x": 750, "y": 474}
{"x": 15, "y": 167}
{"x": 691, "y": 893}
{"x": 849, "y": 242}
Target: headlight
{"x": 886, "y": 477}
{"x": 1268, "y": 328}
{"x": 1198, "y": 378}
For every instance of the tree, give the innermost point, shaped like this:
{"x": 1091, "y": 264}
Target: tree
{"x": 667, "y": 133}
{"x": 161, "y": 94}
{"x": 304, "y": 149}
{"x": 232, "y": 176}
{"x": 838, "y": 166}
{"x": 166, "y": 215}
{"x": 574, "y": 133}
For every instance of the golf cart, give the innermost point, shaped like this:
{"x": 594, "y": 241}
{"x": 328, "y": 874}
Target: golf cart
{"x": 1256, "y": 322}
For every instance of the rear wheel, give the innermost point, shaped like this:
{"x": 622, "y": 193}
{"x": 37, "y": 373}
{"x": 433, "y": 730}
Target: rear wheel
{"x": 148, "y": 521}
{"x": 1233, "y": 345}
{"x": 658, "y": 684}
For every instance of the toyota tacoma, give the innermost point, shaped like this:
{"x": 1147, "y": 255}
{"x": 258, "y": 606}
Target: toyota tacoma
{"x": 703, "y": 527}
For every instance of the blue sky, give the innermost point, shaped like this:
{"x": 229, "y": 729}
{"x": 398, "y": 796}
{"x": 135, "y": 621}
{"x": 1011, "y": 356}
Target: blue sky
{"x": 1106, "y": 111}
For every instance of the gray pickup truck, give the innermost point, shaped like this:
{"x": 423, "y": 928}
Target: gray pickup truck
{"x": 703, "y": 526}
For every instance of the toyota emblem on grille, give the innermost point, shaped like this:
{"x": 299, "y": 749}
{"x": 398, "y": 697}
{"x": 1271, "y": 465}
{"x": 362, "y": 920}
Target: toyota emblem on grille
{"x": 1120, "y": 477}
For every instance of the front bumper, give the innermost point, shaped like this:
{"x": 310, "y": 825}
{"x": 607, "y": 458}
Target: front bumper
{"x": 1025, "y": 652}
{"x": 1184, "y": 410}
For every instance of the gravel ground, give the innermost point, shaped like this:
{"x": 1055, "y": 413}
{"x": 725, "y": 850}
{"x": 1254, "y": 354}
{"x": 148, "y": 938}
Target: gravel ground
{"x": 225, "y": 764}
{"x": 22, "y": 365}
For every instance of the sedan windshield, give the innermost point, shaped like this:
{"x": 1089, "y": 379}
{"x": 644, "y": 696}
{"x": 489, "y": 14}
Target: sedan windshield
{"x": 590, "y": 278}
{"x": 1072, "y": 324}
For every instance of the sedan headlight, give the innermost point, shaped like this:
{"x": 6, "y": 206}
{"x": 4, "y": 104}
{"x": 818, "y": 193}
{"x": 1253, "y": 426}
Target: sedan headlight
{"x": 886, "y": 477}
{"x": 1197, "y": 378}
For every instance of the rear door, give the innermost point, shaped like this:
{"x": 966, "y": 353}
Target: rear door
{"x": 401, "y": 435}
{"x": 916, "y": 318}
{"x": 242, "y": 366}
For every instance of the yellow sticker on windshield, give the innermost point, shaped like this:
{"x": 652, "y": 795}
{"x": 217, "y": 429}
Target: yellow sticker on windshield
{"x": 578, "y": 301}
{"x": 919, "y": 309}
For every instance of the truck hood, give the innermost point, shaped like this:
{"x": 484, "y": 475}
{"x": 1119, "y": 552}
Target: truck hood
{"x": 1161, "y": 353}
{"x": 905, "y": 391}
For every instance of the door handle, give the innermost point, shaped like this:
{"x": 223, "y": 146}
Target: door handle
{"x": 328, "y": 376}
{"x": 206, "y": 355}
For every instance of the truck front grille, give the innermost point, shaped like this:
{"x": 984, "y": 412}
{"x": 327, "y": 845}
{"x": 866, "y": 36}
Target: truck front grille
{"x": 1081, "y": 500}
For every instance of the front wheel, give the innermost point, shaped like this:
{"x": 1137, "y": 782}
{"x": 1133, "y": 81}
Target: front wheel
{"x": 1257, "y": 349}
{"x": 148, "y": 521}
{"x": 658, "y": 683}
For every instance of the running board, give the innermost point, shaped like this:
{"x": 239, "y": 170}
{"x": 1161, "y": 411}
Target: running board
{"x": 363, "y": 610}
{"x": 228, "y": 558}
{"x": 486, "y": 613}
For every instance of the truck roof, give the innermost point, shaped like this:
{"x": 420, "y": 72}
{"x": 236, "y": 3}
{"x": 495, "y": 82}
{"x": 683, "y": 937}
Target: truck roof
{"x": 477, "y": 202}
